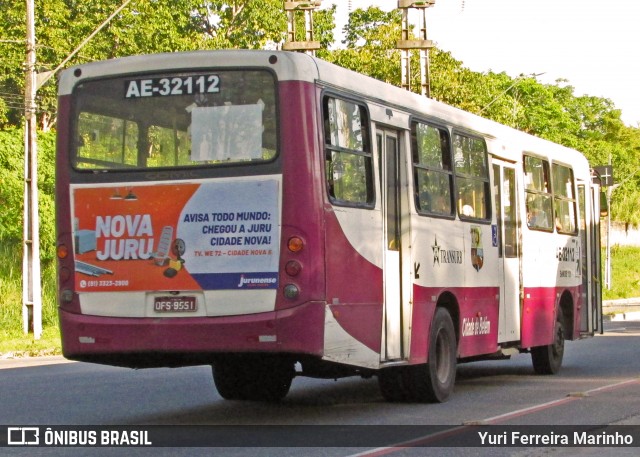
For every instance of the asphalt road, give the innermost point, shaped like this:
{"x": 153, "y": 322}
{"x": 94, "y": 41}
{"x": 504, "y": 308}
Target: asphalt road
{"x": 598, "y": 385}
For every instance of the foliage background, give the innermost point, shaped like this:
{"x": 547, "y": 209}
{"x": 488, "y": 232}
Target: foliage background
{"x": 552, "y": 111}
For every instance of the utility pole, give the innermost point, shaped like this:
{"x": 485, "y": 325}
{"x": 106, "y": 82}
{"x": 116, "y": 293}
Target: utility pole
{"x": 31, "y": 286}
{"x": 406, "y": 44}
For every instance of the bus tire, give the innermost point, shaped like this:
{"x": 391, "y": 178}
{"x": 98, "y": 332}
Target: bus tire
{"x": 227, "y": 376}
{"x": 434, "y": 381}
{"x": 256, "y": 379}
{"x": 271, "y": 379}
{"x": 548, "y": 359}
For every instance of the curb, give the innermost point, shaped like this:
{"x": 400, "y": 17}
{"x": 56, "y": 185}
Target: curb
{"x": 626, "y": 309}
{"x": 24, "y": 362}
{"x": 626, "y": 316}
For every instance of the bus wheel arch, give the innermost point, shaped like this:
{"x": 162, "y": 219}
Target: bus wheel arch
{"x": 565, "y": 308}
{"x": 434, "y": 381}
{"x": 449, "y": 302}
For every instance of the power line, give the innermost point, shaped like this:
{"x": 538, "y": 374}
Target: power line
{"x": 515, "y": 81}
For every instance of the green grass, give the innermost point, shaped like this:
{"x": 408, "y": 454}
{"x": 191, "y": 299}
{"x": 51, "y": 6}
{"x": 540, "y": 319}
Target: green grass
{"x": 625, "y": 269}
{"x": 13, "y": 340}
{"x": 625, "y": 273}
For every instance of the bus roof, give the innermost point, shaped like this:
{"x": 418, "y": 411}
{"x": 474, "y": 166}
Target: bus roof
{"x": 502, "y": 141}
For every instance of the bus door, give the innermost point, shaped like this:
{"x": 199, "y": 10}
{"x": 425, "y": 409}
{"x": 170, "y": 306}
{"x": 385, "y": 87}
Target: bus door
{"x": 509, "y": 251}
{"x": 591, "y": 293}
{"x": 390, "y": 170}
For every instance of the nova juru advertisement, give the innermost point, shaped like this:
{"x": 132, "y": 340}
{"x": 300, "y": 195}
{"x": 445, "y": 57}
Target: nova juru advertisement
{"x": 193, "y": 236}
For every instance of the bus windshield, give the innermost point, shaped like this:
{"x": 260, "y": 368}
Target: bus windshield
{"x": 174, "y": 120}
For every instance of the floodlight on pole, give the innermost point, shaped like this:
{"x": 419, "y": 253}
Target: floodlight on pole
{"x": 309, "y": 45}
{"x": 406, "y": 44}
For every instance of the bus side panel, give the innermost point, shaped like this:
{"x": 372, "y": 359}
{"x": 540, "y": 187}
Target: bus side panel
{"x": 538, "y": 316}
{"x": 476, "y": 324}
{"x": 424, "y": 306}
{"x": 302, "y": 193}
{"x": 63, "y": 197}
{"x": 333, "y": 270}
{"x": 354, "y": 287}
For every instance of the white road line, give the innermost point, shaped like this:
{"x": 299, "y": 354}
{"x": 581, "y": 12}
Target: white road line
{"x": 492, "y": 420}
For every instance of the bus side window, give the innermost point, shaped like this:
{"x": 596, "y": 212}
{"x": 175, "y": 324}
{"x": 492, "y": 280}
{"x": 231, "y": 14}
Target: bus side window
{"x": 564, "y": 199}
{"x": 348, "y": 157}
{"x": 539, "y": 201}
{"x": 472, "y": 177}
{"x": 433, "y": 178}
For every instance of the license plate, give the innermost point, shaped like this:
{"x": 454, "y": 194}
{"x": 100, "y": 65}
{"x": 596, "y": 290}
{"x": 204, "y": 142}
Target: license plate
{"x": 175, "y": 304}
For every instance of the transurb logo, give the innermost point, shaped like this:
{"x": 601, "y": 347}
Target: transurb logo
{"x": 441, "y": 255}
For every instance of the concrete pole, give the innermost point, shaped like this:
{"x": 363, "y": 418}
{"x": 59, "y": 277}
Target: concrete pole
{"x": 31, "y": 286}
{"x": 406, "y": 44}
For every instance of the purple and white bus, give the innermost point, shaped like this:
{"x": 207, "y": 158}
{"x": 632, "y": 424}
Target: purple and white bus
{"x": 274, "y": 215}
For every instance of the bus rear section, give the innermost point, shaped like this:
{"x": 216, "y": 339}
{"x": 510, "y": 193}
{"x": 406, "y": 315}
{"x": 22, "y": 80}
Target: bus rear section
{"x": 179, "y": 240}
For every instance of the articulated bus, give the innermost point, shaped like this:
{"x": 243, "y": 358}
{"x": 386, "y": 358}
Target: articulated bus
{"x": 273, "y": 215}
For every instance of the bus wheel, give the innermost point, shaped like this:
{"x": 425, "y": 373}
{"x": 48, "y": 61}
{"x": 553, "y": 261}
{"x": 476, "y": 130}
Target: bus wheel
{"x": 271, "y": 379}
{"x": 394, "y": 385}
{"x": 258, "y": 379}
{"x": 548, "y": 359}
{"x": 433, "y": 381}
{"x": 227, "y": 377}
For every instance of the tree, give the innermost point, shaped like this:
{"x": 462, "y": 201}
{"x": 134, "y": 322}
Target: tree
{"x": 370, "y": 39}
{"x": 552, "y": 111}
{"x": 11, "y": 189}
{"x": 243, "y": 24}
{"x": 148, "y": 26}
{"x": 12, "y": 42}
